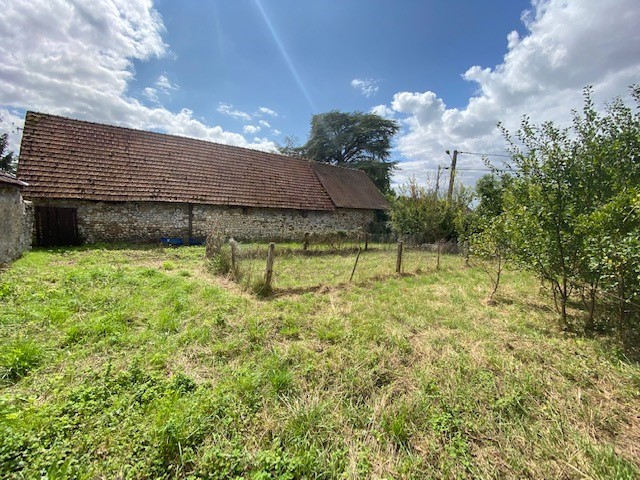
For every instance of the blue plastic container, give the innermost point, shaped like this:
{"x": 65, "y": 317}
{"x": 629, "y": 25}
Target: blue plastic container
{"x": 172, "y": 242}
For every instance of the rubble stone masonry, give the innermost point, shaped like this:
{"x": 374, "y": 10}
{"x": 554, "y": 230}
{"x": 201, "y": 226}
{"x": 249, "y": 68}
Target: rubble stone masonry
{"x": 147, "y": 222}
{"x": 16, "y": 223}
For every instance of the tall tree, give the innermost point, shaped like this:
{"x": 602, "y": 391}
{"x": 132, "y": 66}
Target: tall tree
{"x": 8, "y": 161}
{"x": 351, "y": 139}
{"x": 489, "y": 190}
{"x": 290, "y": 147}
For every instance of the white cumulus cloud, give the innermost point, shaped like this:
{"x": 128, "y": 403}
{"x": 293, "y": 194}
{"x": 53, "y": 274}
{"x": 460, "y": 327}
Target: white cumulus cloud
{"x": 165, "y": 85}
{"x": 384, "y": 111}
{"x": 367, "y": 86}
{"x": 228, "y": 109}
{"x": 152, "y": 94}
{"x": 162, "y": 86}
{"x": 568, "y": 45}
{"x": 75, "y": 59}
{"x": 268, "y": 111}
{"x": 251, "y": 129}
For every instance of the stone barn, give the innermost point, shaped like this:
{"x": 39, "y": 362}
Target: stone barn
{"x": 15, "y": 219}
{"x": 99, "y": 183}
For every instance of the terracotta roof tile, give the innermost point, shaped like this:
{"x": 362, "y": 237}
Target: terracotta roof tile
{"x": 350, "y": 188}
{"x": 65, "y": 158}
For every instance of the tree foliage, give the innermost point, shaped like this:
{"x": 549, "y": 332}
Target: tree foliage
{"x": 541, "y": 206}
{"x": 8, "y": 161}
{"x": 570, "y": 211}
{"x": 290, "y": 147}
{"x": 490, "y": 244}
{"x": 351, "y": 139}
{"x": 489, "y": 191}
{"x": 471, "y": 223}
{"x": 612, "y": 251}
{"x": 343, "y": 137}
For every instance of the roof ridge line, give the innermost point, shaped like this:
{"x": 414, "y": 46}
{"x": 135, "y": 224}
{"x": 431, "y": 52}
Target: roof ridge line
{"x": 172, "y": 135}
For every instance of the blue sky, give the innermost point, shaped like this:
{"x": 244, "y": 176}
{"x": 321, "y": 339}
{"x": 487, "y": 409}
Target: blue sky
{"x": 250, "y": 72}
{"x": 299, "y": 58}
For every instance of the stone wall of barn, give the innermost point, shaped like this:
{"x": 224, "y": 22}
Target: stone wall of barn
{"x": 16, "y": 223}
{"x": 147, "y": 222}
{"x": 276, "y": 224}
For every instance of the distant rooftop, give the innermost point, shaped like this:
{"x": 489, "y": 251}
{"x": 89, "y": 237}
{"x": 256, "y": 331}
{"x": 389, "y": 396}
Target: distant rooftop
{"x": 8, "y": 179}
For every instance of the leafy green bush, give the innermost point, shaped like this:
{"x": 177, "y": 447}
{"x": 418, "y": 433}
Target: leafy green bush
{"x": 425, "y": 214}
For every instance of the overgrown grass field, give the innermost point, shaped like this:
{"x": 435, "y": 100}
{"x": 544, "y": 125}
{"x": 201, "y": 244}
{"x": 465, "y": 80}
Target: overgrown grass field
{"x": 138, "y": 362}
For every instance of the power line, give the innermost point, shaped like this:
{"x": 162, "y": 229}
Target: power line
{"x": 487, "y": 154}
{"x": 484, "y": 169}
{"x": 488, "y": 168}
{"x": 471, "y": 169}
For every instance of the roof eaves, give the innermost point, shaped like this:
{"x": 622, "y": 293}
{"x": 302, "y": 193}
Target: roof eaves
{"x": 9, "y": 179}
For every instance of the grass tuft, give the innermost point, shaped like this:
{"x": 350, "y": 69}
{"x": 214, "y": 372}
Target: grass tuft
{"x": 220, "y": 262}
{"x": 258, "y": 286}
{"x": 19, "y": 358}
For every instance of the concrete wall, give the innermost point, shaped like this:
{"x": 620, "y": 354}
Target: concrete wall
{"x": 149, "y": 221}
{"x": 16, "y": 223}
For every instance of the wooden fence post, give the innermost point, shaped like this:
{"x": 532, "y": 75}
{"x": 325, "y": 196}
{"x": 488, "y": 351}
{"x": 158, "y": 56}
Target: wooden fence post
{"x": 305, "y": 246}
{"x": 268, "y": 274}
{"x": 399, "y": 259}
{"x": 355, "y": 264}
{"x": 366, "y": 242}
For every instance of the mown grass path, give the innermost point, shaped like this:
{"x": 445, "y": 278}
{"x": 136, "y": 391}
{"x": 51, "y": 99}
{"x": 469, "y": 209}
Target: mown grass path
{"x": 137, "y": 362}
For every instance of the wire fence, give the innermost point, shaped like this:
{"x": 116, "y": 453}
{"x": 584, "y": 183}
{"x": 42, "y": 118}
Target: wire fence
{"x": 341, "y": 243}
{"x": 312, "y": 266}
{"x": 315, "y": 263}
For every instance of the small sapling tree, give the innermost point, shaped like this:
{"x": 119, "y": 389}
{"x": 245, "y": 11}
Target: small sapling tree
{"x": 490, "y": 246}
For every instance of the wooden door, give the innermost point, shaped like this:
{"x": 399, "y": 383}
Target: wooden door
{"x": 56, "y": 226}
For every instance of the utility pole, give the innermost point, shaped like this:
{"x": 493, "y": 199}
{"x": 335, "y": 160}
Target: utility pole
{"x": 452, "y": 178}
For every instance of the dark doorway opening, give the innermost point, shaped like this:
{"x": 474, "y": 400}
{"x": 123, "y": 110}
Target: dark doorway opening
{"x": 56, "y": 226}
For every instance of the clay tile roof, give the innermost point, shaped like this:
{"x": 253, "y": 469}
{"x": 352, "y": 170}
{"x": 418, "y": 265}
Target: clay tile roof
{"x": 7, "y": 179}
{"x": 65, "y": 158}
{"x": 350, "y": 188}
{"x": 73, "y": 159}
